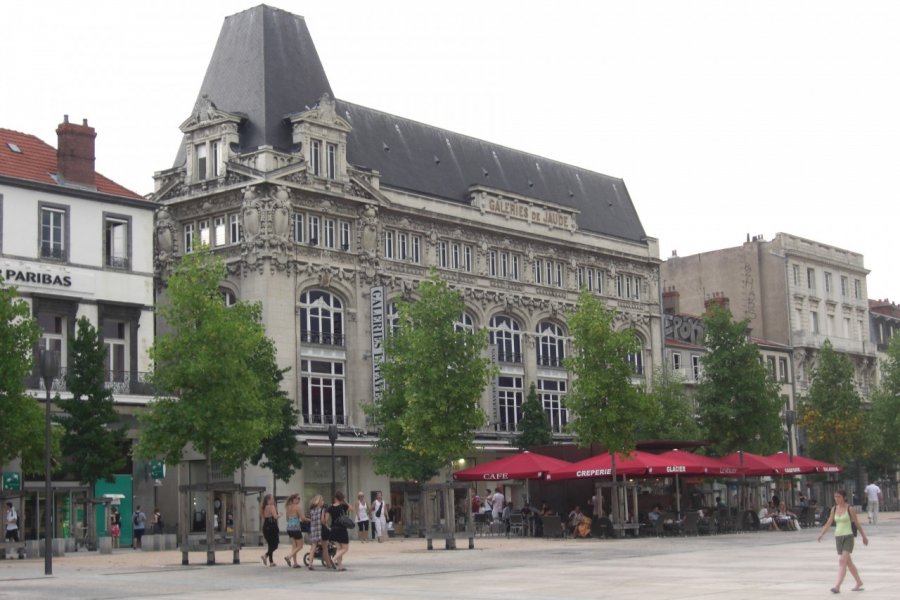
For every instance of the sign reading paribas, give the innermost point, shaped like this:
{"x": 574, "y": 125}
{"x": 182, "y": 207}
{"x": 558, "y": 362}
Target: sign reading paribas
{"x": 19, "y": 276}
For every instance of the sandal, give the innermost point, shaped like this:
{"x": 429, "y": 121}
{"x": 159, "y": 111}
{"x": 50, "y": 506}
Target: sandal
{"x": 310, "y": 568}
{"x": 835, "y": 590}
{"x": 263, "y": 558}
{"x": 287, "y": 560}
{"x": 341, "y": 569}
{"x": 858, "y": 588}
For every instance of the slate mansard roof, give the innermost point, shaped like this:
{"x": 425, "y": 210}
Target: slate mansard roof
{"x": 265, "y": 67}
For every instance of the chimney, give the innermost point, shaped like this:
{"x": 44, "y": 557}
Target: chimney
{"x": 75, "y": 152}
{"x": 717, "y": 298}
{"x": 670, "y": 299}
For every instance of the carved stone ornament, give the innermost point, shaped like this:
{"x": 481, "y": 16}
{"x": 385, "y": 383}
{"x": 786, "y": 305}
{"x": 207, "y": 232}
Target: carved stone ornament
{"x": 266, "y": 219}
{"x": 165, "y": 242}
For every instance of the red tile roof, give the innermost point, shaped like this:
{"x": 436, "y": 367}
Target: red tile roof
{"x": 37, "y": 162}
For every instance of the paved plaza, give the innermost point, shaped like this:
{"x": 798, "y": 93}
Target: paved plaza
{"x": 735, "y": 566}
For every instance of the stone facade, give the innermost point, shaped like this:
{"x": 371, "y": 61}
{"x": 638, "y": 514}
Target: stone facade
{"x": 794, "y": 292}
{"x": 329, "y": 232}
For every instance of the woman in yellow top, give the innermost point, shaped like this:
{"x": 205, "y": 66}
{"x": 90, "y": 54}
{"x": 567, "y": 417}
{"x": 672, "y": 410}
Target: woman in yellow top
{"x": 842, "y": 515}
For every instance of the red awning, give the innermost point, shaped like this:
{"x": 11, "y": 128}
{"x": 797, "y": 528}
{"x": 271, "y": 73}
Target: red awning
{"x": 798, "y": 465}
{"x": 679, "y": 462}
{"x": 637, "y": 463}
{"x": 752, "y": 465}
{"x": 526, "y": 465}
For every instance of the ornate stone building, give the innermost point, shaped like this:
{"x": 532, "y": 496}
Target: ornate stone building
{"x": 326, "y": 212}
{"x": 795, "y": 293}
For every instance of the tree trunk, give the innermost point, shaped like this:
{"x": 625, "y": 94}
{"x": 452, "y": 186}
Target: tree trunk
{"x": 210, "y": 534}
{"x": 614, "y": 497}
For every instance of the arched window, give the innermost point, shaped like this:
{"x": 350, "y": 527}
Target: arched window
{"x": 392, "y": 319}
{"x": 465, "y": 323}
{"x": 321, "y": 319}
{"x": 228, "y": 296}
{"x": 506, "y": 334}
{"x": 551, "y": 344}
{"x": 636, "y": 358}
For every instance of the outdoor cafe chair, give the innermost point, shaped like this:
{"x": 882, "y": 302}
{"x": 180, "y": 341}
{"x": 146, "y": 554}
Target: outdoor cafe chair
{"x": 516, "y": 525}
{"x": 689, "y": 526}
{"x": 552, "y": 526}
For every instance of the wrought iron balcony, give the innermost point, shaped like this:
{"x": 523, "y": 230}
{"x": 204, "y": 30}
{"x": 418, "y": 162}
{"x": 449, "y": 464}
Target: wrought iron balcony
{"x": 120, "y": 382}
{"x": 322, "y": 337}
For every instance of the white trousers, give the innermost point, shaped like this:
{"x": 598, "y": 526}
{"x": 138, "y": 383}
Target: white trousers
{"x": 380, "y": 526}
{"x": 873, "y": 512}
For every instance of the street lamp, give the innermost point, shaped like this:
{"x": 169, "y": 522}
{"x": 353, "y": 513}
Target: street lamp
{"x": 49, "y": 370}
{"x": 332, "y": 437}
{"x": 790, "y": 417}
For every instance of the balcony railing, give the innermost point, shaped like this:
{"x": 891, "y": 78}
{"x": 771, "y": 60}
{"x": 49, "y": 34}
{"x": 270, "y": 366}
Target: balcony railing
{"x": 53, "y": 253}
{"x": 509, "y": 357}
{"x": 323, "y": 420}
{"x": 322, "y": 337}
{"x": 117, "y": 262}
{"x": 120, "y": 382}
{"x": 549, "y": 361}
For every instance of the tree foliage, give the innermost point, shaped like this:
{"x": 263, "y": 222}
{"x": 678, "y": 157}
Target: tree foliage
{"x": 278, "y": 452}
{"x": 738, "y": 403}
{"x": 534, "y": 428}
{"x": 670, "y": 410}
{"x": 22, "y": 421}
{"x": 434, "y": 373}
{"x": 883, "y": 420}
{"x": 606, "y": 405}
{"x": 212, "y": 371}
{"x": 92, "y": 442}
{"x": 831, "y": 413}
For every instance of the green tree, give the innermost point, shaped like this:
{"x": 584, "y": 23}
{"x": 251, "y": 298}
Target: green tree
{"x": 213, "y": 374}
{"x": 92, "y": 441}
{"x": 434, "y": 374}
{"x": 883, "y": 420}
{"x": 534, "y": 428}
{"x": 607, "y": 407}
{"x": 738, "y": 402}
{"x": 278, "y": 452}
{"x": 670, "y": 410}
{"x": 831, "y": 413}
{"x": 22, "y": 422}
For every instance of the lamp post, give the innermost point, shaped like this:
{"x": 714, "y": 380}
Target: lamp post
{"x": 332, "y": 437}
{"x": 49, "y": 370}
{"x": 790, "y": 417}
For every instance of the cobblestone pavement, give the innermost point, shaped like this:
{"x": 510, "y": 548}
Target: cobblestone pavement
{"x": 737, "y": 566}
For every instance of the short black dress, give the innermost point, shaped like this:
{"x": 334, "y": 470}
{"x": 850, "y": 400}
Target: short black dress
{"x": 336, "y": 533}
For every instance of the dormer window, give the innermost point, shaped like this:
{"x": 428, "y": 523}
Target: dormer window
{"x": 208, "y": 160}
{"x": 201, "y": 162}
{"x": 331, "y": 160}
{"x": 315, "y": 157}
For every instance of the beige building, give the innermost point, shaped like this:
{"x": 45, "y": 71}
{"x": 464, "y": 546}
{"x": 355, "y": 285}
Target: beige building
{"x": 794, "y": 292}
{"x": 326, "y": 212}
{"x": 685, "y": 350}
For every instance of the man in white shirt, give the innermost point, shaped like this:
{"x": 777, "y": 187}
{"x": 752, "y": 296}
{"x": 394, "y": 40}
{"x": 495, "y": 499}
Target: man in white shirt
{"x": 873, "y": 498}
{"x": 12, "y": 523}
{"x": 497, "y": 503}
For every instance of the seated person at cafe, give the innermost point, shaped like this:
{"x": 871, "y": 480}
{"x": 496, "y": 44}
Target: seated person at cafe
{"x": 767, "y": 519}
{"x": 786, "y": 519}
{"x": 654, "y": 513}
{"x": 574, "y": 520}
{"x": 719, "y": 503}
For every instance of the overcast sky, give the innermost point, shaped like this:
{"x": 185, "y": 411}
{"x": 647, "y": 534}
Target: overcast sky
{"x": 723, "y": 118}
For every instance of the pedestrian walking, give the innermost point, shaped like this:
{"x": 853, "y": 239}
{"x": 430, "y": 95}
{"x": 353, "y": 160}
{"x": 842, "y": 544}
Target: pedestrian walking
{"x": 379, "y": 518}
{"x": 115, "y": 527}
{"x": 293, "y": 511}
{"x": 270, "y": 516}
{"x": 139, "y": 520}
{"x": 844, "y": 517}
{"x": 362, "y": 517}
{"x": 873, "y": 500}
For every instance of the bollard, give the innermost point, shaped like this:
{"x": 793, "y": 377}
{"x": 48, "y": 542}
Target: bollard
{"x": 105, "y": 545}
